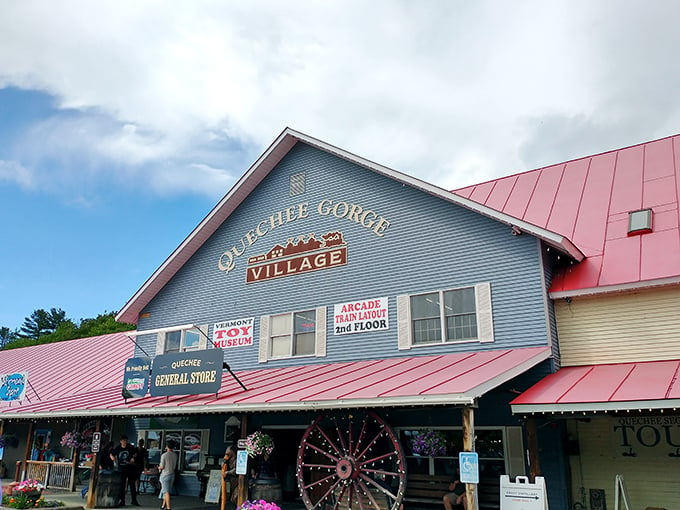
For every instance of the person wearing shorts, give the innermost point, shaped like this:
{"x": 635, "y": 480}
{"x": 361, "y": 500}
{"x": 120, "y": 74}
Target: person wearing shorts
{"x": 455, "y": 498}
{"x": 167, "y": 468}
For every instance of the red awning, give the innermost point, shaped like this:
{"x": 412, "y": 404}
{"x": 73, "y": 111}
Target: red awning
{"x": 615, "y": 387}
{"x": 451, "y": 379}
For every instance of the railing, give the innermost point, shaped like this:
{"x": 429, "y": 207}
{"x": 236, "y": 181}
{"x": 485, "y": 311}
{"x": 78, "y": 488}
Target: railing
{"x": 55, "y": 475}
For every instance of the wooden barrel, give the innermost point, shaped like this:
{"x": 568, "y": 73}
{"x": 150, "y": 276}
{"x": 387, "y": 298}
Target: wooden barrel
{"x": 267, "y": 489}
{"x": 108, "y": 489}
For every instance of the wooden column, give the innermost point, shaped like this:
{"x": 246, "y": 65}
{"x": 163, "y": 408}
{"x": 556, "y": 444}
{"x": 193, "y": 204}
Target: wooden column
{"x": 75, "y": 461}
{"x": 94, "y": 470}
{"x": 532, "y": 444}
{"x": 471, "y": 498}
{"x": 242, "y": 480}
{"x": 29, "y": 447}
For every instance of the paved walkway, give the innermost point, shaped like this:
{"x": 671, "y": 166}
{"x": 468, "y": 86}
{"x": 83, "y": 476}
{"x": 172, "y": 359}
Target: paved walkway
{"x": 151, "y": 502}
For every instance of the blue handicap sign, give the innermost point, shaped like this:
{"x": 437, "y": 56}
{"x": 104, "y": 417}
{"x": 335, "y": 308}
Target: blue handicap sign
{"x": 242, "y": 462}
{"x": 469, "y": 467}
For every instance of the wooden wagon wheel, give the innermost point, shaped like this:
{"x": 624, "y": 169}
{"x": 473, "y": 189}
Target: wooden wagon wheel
{"x": 351, "y": 462}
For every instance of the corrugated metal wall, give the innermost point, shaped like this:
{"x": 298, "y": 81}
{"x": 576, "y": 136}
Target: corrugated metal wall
{"x": 429, "y": 245}
{"x": 626, "y": 327}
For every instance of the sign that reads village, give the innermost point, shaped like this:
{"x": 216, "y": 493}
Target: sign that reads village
{"x": 187, "y": 373}
{"x": 233, "y": 333}
{"x": 136, "y": 377}
{"x": 299, "y": 255}
{"x": 359, "y": 316}
{"x": 13, "y": 386}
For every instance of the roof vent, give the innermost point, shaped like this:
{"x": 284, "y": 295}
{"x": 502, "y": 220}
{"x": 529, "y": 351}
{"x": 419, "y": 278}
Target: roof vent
{"x": 639, "y": 222}
{"x": 297, "y": 184}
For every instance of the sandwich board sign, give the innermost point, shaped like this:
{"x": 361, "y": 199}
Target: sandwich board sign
{"x": 214, "y": 487}
{"x": 523, "y": 495}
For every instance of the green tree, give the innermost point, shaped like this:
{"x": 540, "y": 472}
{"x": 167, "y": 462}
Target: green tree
{"x": 42, "y": 322}
{"x": 66, "y": 329}
{"x": 7, "y": 335}
{"x": 101, "y": 325}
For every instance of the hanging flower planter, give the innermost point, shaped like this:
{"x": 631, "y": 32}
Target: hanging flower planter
{"x": 429, "y": 443}
{"x": 76, "y": 440}
{"x": 259, "y": 443}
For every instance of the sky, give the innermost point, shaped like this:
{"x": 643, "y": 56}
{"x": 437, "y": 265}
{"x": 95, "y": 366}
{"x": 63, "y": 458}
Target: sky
{"x": 122, "y": 123}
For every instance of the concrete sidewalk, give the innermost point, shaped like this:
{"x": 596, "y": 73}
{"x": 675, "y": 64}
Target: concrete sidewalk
{"x": 146, "y": 501}
{"x": 151, "y": 502}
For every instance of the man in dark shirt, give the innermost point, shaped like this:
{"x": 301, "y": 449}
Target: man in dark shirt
{"x": 122, "y": 455}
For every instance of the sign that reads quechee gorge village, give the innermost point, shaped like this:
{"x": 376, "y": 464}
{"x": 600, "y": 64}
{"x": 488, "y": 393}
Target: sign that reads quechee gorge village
{"x": 358, "y": 316}
{"x": 233, "y": 333}
{"x": 303, "y": 253}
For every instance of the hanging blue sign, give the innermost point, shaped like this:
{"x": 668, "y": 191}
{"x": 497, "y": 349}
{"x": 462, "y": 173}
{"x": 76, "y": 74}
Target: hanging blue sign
{"x": 13, "y": 386}
{"x": 187, "y": 373}
{"x": 136, "y": 377}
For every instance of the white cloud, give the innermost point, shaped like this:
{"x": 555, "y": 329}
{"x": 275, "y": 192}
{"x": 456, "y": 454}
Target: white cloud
{"x": 13, "y": 171}
{"x": 455, "y": 92}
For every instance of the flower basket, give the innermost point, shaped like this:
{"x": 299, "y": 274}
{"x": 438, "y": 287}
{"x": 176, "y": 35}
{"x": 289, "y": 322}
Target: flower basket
{"x": 429, "y": 443}
{"x": 258, "y": 505}
{"x": 76, "y": 440}
{"x": 259, "y": 443}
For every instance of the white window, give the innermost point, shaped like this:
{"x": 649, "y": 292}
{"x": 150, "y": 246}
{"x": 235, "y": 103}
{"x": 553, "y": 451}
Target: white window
{"x": 445, "y": 316}
{"x": 293, "y": 334}
{"x": 191, "y": 446}
{"x": 500, "y": 451}
{"x": 182, "y": 340}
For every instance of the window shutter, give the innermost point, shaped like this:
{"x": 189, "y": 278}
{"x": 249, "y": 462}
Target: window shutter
{"x": 484, "y": 312}
{"x": 404, "y": 322}
{"x": 263, "y": 353}
{"x": 320, "y": 337}
{"x": 160, "y": 343}
{"x": 514, "y": 451}
{"x": 203, "y": 337}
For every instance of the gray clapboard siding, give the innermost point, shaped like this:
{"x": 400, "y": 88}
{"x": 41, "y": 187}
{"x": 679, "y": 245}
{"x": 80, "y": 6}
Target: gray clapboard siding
{"x": 429, "y": 245}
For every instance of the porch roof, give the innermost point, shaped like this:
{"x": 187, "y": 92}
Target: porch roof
{"x": 614, "y": 387}
{"x": 451, "y": 379}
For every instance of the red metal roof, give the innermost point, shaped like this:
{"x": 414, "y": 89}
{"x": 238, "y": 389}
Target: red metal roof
{"x": 621, "y": 386}
{"x": 60, "y": 369}
{"x": 587, "y": 201}
{"x": 426, "y": 380}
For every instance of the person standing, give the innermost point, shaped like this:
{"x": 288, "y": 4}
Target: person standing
{"x": 229, "y": 474}
{"x": 123, "y": 454}
{"x": 140, "y": 461}
{"x": 167, "y": 468}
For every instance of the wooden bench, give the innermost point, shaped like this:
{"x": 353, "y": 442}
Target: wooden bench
{"x": 430, "y": 490}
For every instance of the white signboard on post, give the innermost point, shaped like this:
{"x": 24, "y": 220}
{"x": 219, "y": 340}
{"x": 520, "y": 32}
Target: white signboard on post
{"x": 523, "y": 495}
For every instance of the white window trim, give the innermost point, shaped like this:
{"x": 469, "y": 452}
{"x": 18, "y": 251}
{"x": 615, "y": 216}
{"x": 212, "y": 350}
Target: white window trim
{"x": 202, "y": 339}
{"x": 483, "y": 311}
{"x": 264, "y": 350}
